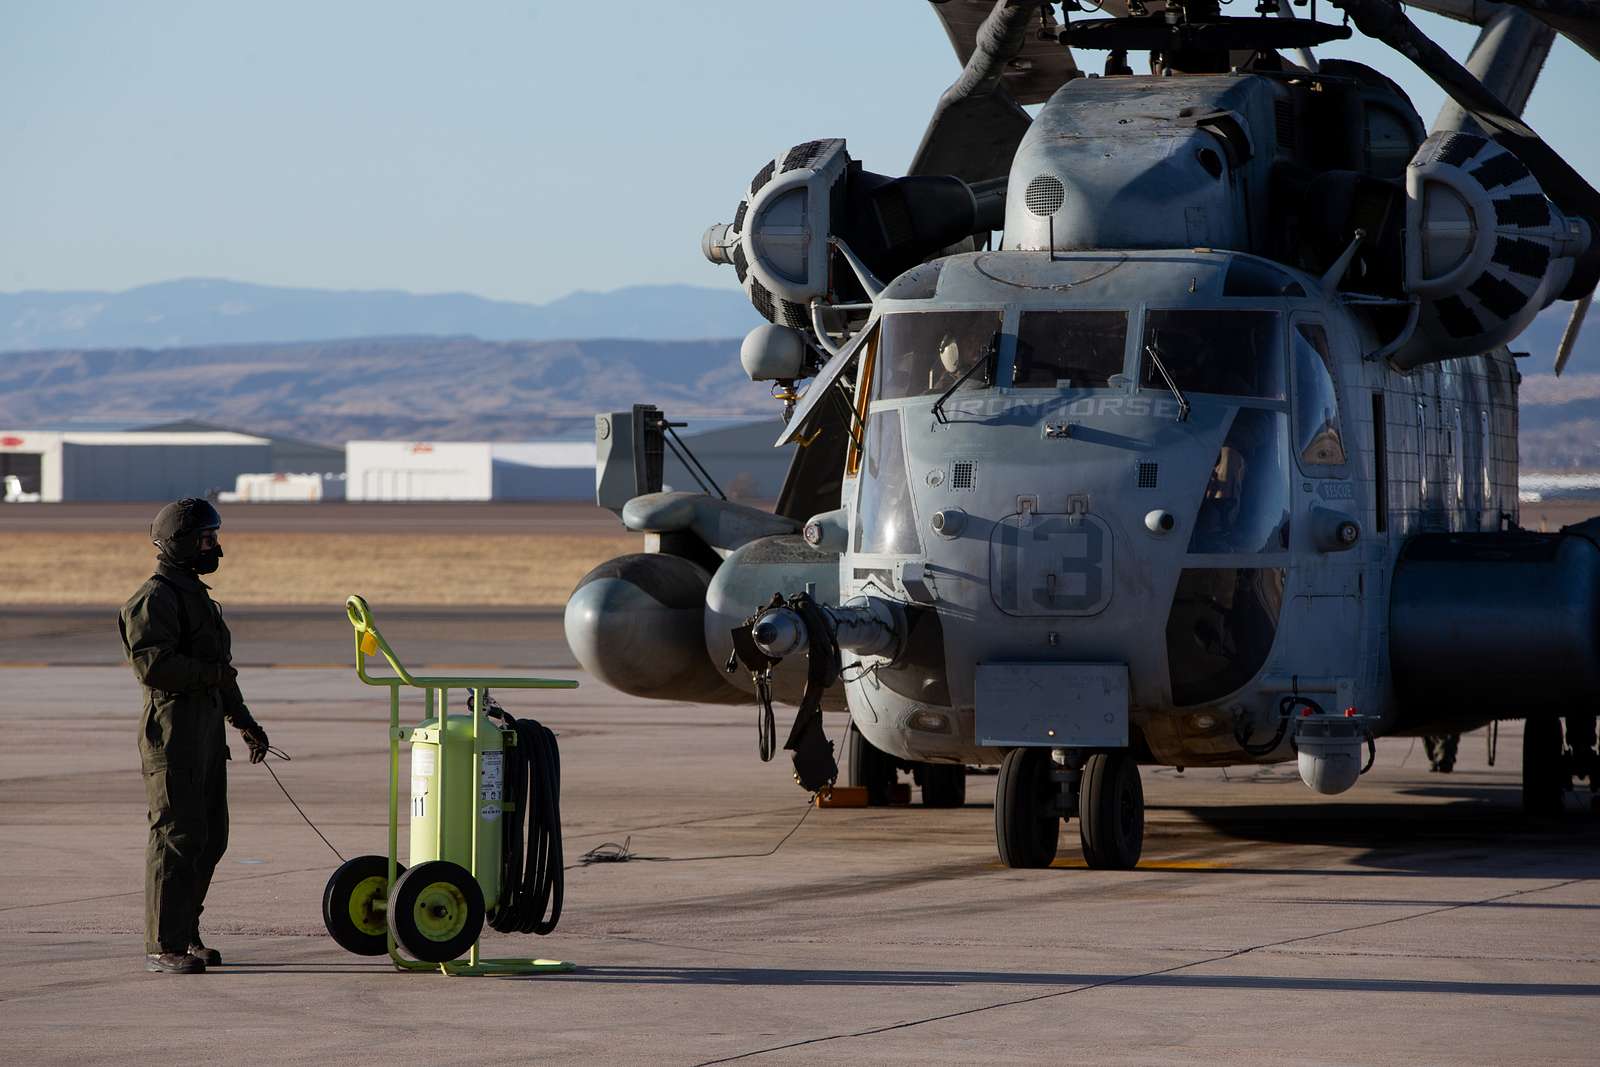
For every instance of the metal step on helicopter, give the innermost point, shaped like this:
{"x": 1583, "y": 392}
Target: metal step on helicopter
{"x": 1210, "y": 459}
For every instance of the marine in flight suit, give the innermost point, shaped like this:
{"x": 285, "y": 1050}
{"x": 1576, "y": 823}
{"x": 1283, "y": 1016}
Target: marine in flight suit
{"x": 181, "y": 652}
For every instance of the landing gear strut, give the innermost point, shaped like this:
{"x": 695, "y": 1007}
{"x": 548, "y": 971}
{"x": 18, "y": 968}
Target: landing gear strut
{"x": 1035, "y": 793}
{"x": 1544, "y": 774}
{"x": 944, "y": 785}
{"x": 869, "y": 767}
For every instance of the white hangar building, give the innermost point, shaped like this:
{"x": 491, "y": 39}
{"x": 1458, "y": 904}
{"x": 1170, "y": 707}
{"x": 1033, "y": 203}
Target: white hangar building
{"x": 739, "y": 457}
{"x": 73, "y": 465}
{"x": 468, "y": 470}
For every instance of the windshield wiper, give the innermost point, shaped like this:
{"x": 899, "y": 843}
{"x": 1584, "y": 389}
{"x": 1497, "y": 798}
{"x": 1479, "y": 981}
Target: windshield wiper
{"x": 982, "y": 361}
{"x": 1177, "y": 394}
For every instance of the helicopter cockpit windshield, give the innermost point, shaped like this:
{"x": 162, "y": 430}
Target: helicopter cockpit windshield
{"x": 1232, "y": 353}
{"x": 1236, "y": 354}
{"x": 923, "y": 353}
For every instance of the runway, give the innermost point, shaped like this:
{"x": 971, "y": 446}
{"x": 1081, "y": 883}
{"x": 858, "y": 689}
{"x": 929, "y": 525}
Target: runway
{"x": 1416, "y": 919}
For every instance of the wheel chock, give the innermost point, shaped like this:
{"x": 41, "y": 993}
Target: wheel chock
{"x": 855, "y": 796}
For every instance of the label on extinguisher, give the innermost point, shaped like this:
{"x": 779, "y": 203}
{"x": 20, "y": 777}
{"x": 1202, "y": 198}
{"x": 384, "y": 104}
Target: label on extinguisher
{"x": 492, "y": 775}
{"x": 422, "y": 765}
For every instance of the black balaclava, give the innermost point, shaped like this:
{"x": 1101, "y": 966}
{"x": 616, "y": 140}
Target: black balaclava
{"x": 176, "y": 532}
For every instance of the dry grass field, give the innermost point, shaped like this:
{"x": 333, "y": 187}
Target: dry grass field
{"x": 522, "y": 569}
{"x": 528, "y": 556}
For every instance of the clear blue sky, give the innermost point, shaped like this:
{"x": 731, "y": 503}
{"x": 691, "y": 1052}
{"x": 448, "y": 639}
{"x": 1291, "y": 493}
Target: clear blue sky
{"x": 516, "y": 150}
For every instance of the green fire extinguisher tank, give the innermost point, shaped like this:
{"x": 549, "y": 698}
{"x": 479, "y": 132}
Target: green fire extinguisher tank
{"x": 446, "y": 787}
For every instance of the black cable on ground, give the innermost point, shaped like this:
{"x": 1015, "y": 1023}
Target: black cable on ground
{"x": 612, "y": 852}
{"x": 531, "y": 879}
{"x": 285, "y": 757}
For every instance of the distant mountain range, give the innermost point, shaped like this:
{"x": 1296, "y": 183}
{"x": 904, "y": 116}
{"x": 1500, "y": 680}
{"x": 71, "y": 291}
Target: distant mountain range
{"x": 277, "y": 362}
{"x": 207, "y": 311}
{"x": 430, "y": 388}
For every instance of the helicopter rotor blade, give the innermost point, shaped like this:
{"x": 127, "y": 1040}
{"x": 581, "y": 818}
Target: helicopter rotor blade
{"x": 1383, "y": 20}
{"x": 1569, "y": 336}
{"x": 1576, "y": 20}
{"x": 979, "y": 121}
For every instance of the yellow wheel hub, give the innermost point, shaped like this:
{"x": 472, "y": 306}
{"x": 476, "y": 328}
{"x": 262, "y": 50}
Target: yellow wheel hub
{"x": 440, "y": 912}
{"x": 368, "y": 902}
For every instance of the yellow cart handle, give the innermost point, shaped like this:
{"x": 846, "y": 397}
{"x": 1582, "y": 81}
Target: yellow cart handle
{"x": 370, "y": 642}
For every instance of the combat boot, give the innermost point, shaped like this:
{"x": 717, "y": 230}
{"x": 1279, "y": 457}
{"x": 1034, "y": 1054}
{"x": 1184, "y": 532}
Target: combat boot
{"x": 174, "y": 963}
{"x": 208, "y": 956}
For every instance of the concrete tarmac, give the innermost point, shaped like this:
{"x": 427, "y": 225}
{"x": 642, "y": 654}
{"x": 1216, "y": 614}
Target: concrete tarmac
{"x": 574, "y": 517}
{"x": 1417, "y": 919}
{"x": 520, "y": 639}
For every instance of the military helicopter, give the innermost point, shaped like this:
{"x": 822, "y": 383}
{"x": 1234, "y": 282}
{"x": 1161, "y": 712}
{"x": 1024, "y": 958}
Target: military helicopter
{"x": 1210, "y": 459}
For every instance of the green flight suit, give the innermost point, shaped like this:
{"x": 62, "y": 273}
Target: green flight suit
{"x": 180, "y": 650}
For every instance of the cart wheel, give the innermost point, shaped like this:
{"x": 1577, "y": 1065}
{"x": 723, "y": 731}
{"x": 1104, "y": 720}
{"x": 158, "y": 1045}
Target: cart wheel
{"x": 354, "y": 902}
{"x": 436, "y": 911}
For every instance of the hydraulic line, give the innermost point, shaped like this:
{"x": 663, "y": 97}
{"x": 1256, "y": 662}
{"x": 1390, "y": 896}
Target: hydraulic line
{"x": 531, "y": 880}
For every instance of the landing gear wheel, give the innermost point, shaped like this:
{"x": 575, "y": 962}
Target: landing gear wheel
{"x": 869, "y": 767}
{"x": 944, "y": 785}
{"x": 436, "y": 911}
{"x": 1026, "y": 826}
{"x": 1111, "y": 812}
{"x": 1544, "y": 777}
{"x": 354, "y": 903}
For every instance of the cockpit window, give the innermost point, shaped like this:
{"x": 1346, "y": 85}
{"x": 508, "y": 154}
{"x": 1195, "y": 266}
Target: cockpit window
{"x": 922, "y": 353}
{"x": 1251, "y": 277}
{"x": 1316, "y": 402}
{"x": 1070, "y": 349}
{"x": 1245, "y": 509}
{"x": 884, "y": 519}
{"x": 1235, "y": 353}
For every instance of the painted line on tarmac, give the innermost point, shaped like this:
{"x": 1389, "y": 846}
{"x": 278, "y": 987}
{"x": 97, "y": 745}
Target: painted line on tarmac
{"x": 1145, "y": 976}
{"x": 1079, "y": 864}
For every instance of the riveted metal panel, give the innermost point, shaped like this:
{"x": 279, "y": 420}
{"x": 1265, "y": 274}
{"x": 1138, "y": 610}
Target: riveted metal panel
{"x": 1069, "y": 705}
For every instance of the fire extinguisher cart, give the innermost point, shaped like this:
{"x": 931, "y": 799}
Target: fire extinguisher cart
{"x": 435, "y": 910}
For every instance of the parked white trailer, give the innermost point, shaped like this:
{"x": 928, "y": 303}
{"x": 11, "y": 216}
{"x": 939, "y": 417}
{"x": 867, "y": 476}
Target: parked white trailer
{"x": 284, "y": 488}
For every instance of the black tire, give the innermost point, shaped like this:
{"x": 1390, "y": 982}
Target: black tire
{"x": 436, "y": 911}
{"x": 944, "y": 785}
{"x": 1026, "y": 826}
{"x": 1544, "y": 778}
{"x": 869, "y": 767}
{"x": 354, "y": 903}
{"x": 1111, "y": 812}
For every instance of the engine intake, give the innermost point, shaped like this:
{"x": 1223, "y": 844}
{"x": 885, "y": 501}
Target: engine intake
{"x": 779, "y": 242}
{"x": 1485, "y": 249}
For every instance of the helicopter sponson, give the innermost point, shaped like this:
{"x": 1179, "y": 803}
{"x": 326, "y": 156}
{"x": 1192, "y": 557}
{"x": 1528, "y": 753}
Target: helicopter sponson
{"x": 1209, "y": 460}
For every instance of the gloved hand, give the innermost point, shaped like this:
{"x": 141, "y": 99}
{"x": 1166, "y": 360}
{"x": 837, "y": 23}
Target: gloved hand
{"x": 256, "y": 738}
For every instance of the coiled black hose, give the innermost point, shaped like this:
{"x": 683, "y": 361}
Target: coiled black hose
{"x": 531, "y": 882}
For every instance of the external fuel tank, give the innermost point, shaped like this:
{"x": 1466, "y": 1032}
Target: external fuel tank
{"x": 1503, "y": 623}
